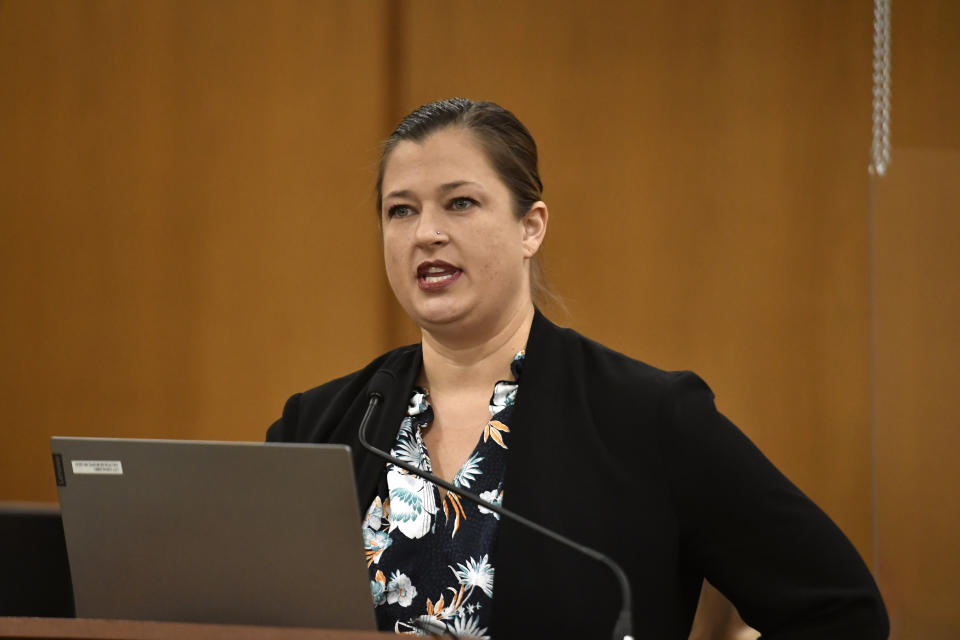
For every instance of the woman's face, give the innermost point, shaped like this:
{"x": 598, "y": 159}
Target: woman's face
{"x": 456, "y": 255}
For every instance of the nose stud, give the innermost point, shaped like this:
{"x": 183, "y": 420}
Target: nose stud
{"x": 438, "y": 233}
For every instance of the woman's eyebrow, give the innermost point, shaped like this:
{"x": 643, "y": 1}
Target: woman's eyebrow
{"x": 444, "y": 188}
{"x": 450, "y": 186}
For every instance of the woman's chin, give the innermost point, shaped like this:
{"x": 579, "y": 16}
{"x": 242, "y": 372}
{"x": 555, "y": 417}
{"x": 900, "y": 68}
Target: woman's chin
{"x": 438, "y": 319}
{"x": 438, "y": 315}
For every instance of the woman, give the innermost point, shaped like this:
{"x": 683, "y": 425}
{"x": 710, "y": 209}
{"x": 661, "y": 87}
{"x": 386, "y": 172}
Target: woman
{"x": 619, "y": 456}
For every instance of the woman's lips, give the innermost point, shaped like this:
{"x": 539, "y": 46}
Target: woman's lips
{"x": 433, "y": 277}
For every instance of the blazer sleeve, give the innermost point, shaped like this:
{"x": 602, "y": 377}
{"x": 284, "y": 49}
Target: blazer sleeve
{"x": 783, "y": 563}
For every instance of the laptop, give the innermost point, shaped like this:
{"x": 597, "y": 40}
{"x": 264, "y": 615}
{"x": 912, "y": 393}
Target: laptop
{"x": 215, "y": 532}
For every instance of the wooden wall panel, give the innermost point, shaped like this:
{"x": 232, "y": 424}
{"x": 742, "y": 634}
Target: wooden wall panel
{"x": 926, "y": 71}
{"x": 916, "y": 313}
{"x": 918, "y": 369}
{"x": 185, "y": 216}
{"x": 705, "y": 167}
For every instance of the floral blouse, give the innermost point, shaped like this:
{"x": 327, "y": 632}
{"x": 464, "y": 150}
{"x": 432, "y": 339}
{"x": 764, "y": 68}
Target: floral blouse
{"x": 431, "y": 570}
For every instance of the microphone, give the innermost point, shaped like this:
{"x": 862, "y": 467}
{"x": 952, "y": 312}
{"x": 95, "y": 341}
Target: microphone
{"x": 383, "y": 380}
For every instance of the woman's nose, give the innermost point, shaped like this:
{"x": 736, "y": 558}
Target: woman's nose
{"x": 430, "y": 227}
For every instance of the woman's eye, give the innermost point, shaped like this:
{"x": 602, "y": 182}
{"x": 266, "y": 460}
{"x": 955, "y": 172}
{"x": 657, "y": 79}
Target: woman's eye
{"x": 462, "y": 204}
{"x": 399, "y": 211}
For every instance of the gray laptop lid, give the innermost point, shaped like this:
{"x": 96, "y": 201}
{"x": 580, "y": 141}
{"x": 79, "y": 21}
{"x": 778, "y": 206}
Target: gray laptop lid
{"x": 240, "y": 533}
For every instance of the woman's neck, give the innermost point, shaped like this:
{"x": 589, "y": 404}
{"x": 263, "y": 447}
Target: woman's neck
{"x": 463, "y": 366}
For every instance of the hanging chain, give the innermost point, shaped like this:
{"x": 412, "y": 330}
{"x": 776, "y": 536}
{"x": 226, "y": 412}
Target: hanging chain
{"x": 880, "y": 149}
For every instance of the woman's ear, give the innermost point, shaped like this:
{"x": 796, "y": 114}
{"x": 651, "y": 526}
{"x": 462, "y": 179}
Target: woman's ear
{"x": 534, "y": 228}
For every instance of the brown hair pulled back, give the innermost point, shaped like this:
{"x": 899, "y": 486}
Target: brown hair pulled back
{"x": 510, "y": 148}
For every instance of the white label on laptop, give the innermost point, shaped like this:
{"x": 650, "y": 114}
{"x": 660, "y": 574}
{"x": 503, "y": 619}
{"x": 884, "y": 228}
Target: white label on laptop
{"x": 97, "y": 467}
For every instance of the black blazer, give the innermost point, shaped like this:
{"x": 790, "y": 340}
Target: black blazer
{"x": 637, "y": 463}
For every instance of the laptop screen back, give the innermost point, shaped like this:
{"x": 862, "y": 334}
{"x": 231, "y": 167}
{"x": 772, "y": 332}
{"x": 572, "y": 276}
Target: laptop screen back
{"x": 238, "y": 533}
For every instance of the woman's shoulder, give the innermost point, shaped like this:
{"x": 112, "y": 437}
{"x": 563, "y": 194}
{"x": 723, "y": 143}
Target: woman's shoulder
{"x": 393, "y": 359}
{"x": 603, "y": 366}
{"x": 307, "y": 414}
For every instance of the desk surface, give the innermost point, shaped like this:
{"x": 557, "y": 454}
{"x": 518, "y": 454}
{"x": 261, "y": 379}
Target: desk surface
{"x": 55, "y": 628}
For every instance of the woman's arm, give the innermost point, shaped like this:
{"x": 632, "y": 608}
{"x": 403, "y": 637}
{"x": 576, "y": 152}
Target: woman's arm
{"x": 784, "y": 564}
